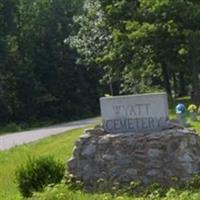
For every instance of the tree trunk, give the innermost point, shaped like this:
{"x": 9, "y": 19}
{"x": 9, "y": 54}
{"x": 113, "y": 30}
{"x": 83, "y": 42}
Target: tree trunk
{"x": 167, "y": 84}
{"x": 182, "y": 87}
{"x": 175, "y": 87}
{"x": 194, "y": 65}
{"x": 195, "y": 78}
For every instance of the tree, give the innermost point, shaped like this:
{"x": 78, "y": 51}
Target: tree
{"x": 7, "y": 24}
{"x": 41, "y": 79}
{"x": 93, "y": 40}
{"x": 145, "y": 38}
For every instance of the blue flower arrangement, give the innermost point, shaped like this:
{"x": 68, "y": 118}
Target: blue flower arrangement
{"x": 180, "y": 109}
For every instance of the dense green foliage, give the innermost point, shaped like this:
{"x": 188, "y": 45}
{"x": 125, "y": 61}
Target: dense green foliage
{"x": 143, "y": 45}
{"x": 37, "y": 173}
{"x": 39, "y": 76}
{"x": 55, "y": 53}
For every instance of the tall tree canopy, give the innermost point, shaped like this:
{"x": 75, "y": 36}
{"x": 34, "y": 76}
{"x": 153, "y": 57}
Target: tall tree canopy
{"x": 54, "y": 53}
{"x": 39, "y": 77}
{"x": 145, "y": 45}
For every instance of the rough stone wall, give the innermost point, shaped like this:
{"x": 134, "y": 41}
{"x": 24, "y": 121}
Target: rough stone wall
{"x": 123, "y": 158}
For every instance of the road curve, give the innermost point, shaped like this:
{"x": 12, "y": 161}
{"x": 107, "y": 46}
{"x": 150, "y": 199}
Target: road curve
{"x": 11, "y": 140}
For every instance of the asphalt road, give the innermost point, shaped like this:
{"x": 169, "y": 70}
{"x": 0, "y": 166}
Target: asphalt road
{"x": 14, "y": 139}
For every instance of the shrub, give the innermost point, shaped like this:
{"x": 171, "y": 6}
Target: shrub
{"x": 194, "y": 182}
{"x": 12, "y": 127}
{"x": 38, "y": 173}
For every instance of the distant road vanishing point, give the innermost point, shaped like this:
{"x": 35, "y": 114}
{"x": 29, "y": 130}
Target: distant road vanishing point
{"x": 11, "y": 140}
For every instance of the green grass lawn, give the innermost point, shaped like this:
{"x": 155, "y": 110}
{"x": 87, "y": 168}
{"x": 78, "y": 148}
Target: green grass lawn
{"x": 60, "y": 147}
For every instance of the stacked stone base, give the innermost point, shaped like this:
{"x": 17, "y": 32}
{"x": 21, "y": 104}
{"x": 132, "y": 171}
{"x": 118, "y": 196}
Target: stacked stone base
{"x": 122, "y": 158}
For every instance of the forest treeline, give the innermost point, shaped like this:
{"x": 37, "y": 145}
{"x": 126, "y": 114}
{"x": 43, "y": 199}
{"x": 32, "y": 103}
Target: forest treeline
{"x": 57, "y": 57}
{"x": 39, "y": 75}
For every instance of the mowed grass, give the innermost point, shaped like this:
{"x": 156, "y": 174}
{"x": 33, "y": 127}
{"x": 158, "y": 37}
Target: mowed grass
{"x": 60, "y": 147}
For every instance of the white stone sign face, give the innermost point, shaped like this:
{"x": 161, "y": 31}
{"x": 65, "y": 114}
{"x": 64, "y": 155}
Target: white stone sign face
{"x": 134, "y": 113}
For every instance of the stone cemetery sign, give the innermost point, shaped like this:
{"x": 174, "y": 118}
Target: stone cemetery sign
{"x": 134, "y": 113}
{"x": 138, "y": 155}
